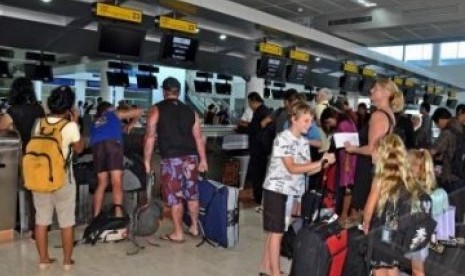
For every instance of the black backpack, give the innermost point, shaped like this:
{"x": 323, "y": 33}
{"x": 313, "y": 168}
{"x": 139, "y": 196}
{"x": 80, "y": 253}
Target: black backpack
{"x": 105, "y": 221}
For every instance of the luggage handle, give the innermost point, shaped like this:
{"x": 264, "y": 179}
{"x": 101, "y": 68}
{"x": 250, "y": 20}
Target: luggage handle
{"x": 322, "y": 188}
{"x": 150, "y": 179}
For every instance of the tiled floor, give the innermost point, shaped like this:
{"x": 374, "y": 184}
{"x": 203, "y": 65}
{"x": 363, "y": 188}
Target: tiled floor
{"x": 20, "y": 257}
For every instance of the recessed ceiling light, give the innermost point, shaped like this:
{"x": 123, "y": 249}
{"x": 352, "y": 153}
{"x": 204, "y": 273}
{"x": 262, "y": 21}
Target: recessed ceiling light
{"x": 223, "y": 36}
{"x": 317, "y": 59}
{"x": 46, "y": 1}
{"x": 300, "y": 9}
{"x": 365, "y": 3}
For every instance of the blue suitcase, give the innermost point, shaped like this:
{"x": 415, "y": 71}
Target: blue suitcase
{"x": 219, "y": 213}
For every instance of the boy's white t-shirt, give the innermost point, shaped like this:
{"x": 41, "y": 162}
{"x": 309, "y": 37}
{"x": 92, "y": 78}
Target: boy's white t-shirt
{"x": 278, "y": 178}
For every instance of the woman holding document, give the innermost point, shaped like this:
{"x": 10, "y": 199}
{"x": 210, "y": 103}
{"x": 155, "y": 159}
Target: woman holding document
{"x": 344, "y": 129}
{"x": 388, "y": 99}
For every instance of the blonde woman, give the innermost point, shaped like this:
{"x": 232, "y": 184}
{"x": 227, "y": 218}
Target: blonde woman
{"x": 388, "y": 99}
{"x": 422, "y": 168}
{"x": 393, "y": 187}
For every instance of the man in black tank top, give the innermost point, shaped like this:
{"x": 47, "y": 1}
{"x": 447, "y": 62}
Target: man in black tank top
{"x": 177, "y": 129}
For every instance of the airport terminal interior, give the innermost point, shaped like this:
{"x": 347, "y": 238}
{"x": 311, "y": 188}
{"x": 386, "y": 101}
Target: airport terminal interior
{"x": 249, "y": 69}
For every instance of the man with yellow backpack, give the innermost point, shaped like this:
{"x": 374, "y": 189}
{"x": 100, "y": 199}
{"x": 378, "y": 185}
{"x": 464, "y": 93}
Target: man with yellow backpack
{"x": 47, "y": 172}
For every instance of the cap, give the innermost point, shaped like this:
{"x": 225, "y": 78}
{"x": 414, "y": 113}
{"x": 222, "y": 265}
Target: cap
{"x": 171, "y": 83}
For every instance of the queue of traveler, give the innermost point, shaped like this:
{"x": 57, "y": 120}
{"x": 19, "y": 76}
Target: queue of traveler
{"x": 398, "y": 149}
{"x": 284, "y": 146}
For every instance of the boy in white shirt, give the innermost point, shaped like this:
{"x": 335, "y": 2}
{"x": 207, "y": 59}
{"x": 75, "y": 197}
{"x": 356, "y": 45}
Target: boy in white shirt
{"x": 285, "y": 179}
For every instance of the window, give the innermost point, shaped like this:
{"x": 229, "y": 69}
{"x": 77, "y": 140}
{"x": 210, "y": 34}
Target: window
{"x": 396, "y": 52}
{"x": 418, "y": 52}
{"x": 452, "y": 50}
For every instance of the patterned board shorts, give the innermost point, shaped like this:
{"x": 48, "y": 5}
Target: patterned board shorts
{"x": 179, "y": 178}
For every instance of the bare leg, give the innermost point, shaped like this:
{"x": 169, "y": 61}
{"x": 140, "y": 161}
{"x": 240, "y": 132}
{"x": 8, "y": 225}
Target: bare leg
{"x": 265, "y": 264}
{"x": 347, "y": 201}
{"x": 100, "y": 192}
{"x": 117, "y": 190}
{"x": 67, "y": 238}
{"x": 275, "y": 246}
{"x": 176, "y": 215}
{"x": 418, "y": 268}
{"x": 41, "y": 235}
{"x": 193, "y": 206}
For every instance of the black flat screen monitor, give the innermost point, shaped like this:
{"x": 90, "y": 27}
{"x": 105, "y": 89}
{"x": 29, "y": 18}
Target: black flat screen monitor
{"x": 178, "y": 48}
{"x": 4, "y": 70}
{"x": 277, "y": 94}
{"x": 224, "y": 77}
{"x": 451, "y": 103}
{"x": 437, "y": 100}
{"x": 118, "y": 79}
{"x": 120, "y": 40}
{"x": 38, "y": 72}
{"x": 410, "y": 95}
{"x": 298, "y": 73}
{"x": 365, "y": 86}
{"x": 223, "y": 88}
{"x": 147, "y": 82}
{"x": 350, "y": 82}
{"x": 266, "y": 93}
{"x": 203, "y": 86}
{"x": 271, "y": 68}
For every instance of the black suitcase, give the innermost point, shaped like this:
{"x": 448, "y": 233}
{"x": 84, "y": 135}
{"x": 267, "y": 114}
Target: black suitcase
{"x": 356, "y": 262}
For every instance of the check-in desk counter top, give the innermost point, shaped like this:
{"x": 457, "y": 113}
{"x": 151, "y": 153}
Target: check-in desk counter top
{"x": 10, "y": 153}
{"x": 213, "y": 134}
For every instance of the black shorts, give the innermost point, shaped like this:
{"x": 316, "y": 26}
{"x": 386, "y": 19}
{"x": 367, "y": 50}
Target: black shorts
{"x": 274, "y": 212}
{"x": 108, "y": 156}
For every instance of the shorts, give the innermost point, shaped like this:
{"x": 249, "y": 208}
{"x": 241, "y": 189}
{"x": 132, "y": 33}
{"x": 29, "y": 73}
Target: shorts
{"x": 419, "y": 256}
{"x": 277, "y": 211}
{"x": 179, "y": 177}
{"x": 108, "y": 156}
{"x": 62, "y": 200}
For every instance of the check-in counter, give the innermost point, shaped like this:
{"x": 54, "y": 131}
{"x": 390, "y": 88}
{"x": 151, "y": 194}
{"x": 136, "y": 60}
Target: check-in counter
{"x": 216, "y": 154}
{"x": 10, "y": 152}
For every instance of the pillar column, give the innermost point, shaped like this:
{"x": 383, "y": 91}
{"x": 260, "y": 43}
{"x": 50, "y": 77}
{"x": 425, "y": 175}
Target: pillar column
{"x": 255, "y": 85}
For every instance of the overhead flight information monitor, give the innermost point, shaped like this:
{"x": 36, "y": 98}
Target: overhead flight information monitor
{"x": 178, "y": 48}
{"x": 298, "y": 73}
{"x": 271, "y": 67}
{"x": 120, "y": 40}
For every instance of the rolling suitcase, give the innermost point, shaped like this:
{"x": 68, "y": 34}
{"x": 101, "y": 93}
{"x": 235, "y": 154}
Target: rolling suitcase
{"x": 320, "y": 248}
{"x": 219, "y": 214}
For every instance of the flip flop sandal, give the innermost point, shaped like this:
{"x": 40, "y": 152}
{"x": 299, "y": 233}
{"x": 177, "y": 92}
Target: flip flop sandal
{"x": 170, "y": 239}
{"x": 43, "y": 266}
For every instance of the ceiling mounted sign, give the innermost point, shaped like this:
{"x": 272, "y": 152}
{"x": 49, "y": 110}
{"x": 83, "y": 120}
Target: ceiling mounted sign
{"x": 178, "y": 25}
{"x": 271, "y": 49}
{"x": 118, "y": 13}
{"x": 299, "y": 55}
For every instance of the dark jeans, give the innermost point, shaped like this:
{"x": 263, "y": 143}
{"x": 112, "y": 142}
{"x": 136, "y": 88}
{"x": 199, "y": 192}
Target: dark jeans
{"x": 256, "y": 173}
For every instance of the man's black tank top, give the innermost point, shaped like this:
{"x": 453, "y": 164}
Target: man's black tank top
{"x": 174, "y": 129}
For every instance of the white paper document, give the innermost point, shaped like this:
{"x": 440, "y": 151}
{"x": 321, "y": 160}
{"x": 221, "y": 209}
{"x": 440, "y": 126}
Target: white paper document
{"x": 341, "y": 138}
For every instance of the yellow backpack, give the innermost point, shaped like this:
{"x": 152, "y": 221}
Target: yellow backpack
{"x": 44, "y": 166}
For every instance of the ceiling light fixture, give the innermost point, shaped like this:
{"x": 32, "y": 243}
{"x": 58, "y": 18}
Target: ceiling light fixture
{"x": 46, "y": 1}
{"x": 365, "y": 3}
{"x": 223, "y": 36}
{"x": 317, "y": 59}
{"x": 300, "y": 9}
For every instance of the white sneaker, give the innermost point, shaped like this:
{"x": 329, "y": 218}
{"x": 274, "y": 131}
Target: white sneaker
{"x": 259, "y": 209}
